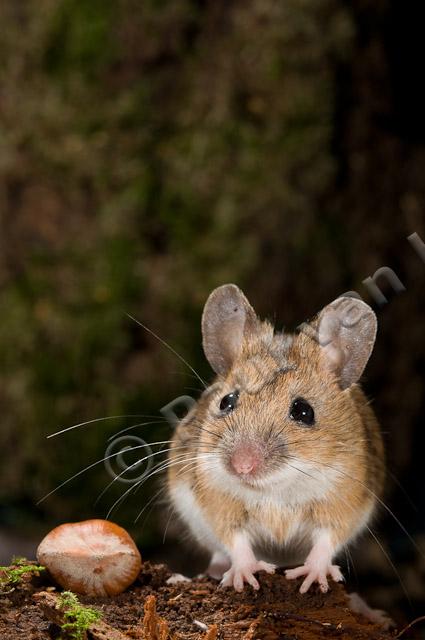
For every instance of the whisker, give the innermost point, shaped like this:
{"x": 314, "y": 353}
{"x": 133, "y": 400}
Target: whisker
{"x": 161, "y": 466}
{"x": 348, "y": 559}
{"x": 148, "y": 503}
{"x": 377, "y": 541}
{"x": 134, "y": 426}
{"x": 121, "y": 499}
{"x": 135, "y": 464}
{"x": 394, "y": 568}
{"x": 168, "y": 347}
{"x": 172, "y": 512}
{"x": 170, "y": 463}
{"x": 91, "y": 466}
{"x": 137, "y": 485}
{"x": 403, "y": 490}
{"x": 82, "y": 424}
{"x": 187, "y": 465}
{"x": 212, "y": 433}
{"x": 182, "y": 373}
{"x": 301, "y": 470}
{"x": 377, "y": 498}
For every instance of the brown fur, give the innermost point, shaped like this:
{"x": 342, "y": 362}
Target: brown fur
{"x": 271, "y": 371}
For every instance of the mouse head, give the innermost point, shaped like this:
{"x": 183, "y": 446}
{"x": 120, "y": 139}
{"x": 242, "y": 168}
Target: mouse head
{"x": 281, "y": 408}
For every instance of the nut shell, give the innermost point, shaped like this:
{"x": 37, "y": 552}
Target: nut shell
{"x": 93, "y": 557}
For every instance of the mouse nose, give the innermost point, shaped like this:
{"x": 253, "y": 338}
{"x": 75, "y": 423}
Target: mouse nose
{"x": 245, "y": 459}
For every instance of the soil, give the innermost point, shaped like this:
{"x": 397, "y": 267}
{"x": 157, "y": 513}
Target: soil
{"x": 194, "y": 610}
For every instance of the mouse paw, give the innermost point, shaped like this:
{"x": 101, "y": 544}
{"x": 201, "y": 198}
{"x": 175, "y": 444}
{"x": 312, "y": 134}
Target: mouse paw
{"x": 237, "y": 575}
{"x": 315, "y": 573}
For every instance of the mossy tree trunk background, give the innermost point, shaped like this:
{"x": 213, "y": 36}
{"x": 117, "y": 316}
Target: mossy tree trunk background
{"x": 151, "y": 151}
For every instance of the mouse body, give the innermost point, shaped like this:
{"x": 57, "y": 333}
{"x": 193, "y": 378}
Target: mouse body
{"x": 282, "y": 454}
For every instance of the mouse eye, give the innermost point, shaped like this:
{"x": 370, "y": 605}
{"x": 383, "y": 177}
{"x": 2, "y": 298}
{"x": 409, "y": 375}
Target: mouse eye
{"x": 303, "y": 412}
{"x": 229, "y": 402}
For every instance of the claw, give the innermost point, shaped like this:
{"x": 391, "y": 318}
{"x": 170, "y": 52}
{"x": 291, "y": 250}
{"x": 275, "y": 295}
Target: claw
{"x": 314, "y": 574}
{"x": 318, "y": 565}
{"x": 236, "y": 576}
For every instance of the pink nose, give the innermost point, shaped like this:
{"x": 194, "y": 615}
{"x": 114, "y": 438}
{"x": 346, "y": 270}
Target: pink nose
{"x": 245, "y": 459}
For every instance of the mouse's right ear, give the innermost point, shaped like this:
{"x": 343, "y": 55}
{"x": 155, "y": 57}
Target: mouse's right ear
{"x": 226, "y": 318}
{"x": 346, "y": 333}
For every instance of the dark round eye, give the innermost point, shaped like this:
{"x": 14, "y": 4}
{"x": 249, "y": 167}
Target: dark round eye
{"x": 303, "y": 412}
{"x": 229, "y": 402}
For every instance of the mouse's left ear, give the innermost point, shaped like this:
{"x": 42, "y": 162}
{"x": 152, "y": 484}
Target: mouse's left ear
{"x": 226, "y": 319}
{"x": 346, "y": 334}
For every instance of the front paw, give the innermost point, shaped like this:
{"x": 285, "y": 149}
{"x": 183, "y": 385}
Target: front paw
{"x": 237, "y": 575}
{"x": 315, "y": 573}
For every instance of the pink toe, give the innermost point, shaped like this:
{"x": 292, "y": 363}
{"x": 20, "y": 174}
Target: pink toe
{"x": 266, "y": 566}
{"x": 225, "y": 582}
{"x": 253, "y": 582}
{"x": 307, "y": 583}
{"x": 336, "y": 574}
{"x": 238, "y": 583}
{"x": 291, "y": 574}
{"x": 323, "y": 583}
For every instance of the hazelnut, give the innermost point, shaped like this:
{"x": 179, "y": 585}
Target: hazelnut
{"x": 93, "y": 557}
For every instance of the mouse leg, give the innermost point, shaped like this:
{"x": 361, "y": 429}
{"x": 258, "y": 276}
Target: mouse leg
{"x": 318, "y": 565}
{"x": 219, "y": 564}
{"x": 243, "y": 565}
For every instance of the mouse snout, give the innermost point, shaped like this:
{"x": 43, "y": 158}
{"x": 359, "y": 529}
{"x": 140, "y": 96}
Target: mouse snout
{"x": 245, "y": 459}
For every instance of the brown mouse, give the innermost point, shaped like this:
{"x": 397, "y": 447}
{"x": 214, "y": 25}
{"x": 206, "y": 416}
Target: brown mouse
{"x": 282, "y": 453}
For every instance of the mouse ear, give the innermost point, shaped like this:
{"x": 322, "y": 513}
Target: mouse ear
{"x": 226, "y": 318}
{"x": 346, "y": 333}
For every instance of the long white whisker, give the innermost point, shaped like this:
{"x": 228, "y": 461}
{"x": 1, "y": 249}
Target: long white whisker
{"x": 172, "y": 512}
{"x": 134, "y": 426}
{"x": 82, "y": 424}
{"x": 377, "y": 498}
{"x": 91, "y": 466}
{"x": 394, "y": 568}
{"x": 149, "y": 502}
{"x": 134, "y": 487}
{"x": 122, "y": 498}
{"x": 402, "y": 489}
{"x": 351, "y": 508}
{"x": 187, "y": 466}
{"x": 166, "y": 465}
{"x": 168, "y": 347}
{"x": 135, "y": 464}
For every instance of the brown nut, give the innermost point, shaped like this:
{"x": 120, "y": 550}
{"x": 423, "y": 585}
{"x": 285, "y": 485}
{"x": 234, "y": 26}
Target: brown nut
{"x": 93, "y": 557}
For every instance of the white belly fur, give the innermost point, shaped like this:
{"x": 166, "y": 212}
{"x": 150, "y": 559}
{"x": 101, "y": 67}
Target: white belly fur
{"x": 298, "y": 539}
{"x": 191, "y": 513}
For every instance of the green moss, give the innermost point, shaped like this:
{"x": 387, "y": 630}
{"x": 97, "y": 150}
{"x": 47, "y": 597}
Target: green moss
{"x": 78, "y": 618}
{"x": 12, "y": 575}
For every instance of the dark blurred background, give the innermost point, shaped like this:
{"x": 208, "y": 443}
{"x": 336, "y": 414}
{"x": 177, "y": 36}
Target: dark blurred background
{"x": 150, "y": 151}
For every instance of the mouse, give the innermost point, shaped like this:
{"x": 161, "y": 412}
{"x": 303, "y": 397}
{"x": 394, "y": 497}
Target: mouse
{"x": 281, "y": 457}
